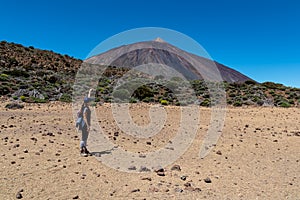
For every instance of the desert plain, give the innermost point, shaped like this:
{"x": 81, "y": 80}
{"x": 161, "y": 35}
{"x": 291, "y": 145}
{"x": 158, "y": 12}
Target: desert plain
{"x": 256, "y": 157}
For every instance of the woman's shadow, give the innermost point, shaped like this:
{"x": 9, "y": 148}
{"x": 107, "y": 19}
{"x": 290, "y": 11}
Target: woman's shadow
{"x": 99, "y": 153}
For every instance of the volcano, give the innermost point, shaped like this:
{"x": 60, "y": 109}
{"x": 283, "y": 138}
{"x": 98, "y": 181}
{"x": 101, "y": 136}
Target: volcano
{"x": 191, "y": 66}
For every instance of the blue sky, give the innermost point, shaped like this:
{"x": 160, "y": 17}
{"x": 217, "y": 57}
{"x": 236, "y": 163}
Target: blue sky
{"x": 258, "y": 38}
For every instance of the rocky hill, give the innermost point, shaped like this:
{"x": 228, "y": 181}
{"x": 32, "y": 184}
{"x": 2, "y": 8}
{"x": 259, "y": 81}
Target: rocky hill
{"x": 33, "y": 75}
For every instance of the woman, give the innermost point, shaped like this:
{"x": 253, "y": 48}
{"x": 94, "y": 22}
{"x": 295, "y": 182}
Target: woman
{"x": 86, "y": 114}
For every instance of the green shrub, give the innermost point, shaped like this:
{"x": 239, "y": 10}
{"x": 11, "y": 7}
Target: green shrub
{"x": 271, "y": 92}
{"x": 4, "y": 90}
{"x": 66, "y": 98}
{"x": 15, "y": 97}
{"x": 143, "y": 92}
{"x": 121, "y": 94}
{"x": 164, "y": 102}
{"x": 205, "y": 103}
{"x": 229, "y": 102}
{"x": 23, "y": 98}
{"x": 291, "y": 101}
{"x": 132, "y": 100}
{"x": 146, "y": 100}
{"x": 284, "y": 104}
{"x": 245, "y": 98}
{"x": 4, "y": 77}
{"x": 232, "y": 94}
{"x": 250, "y": 82}
{"x": 260, "y": 102}
{"x": 237, "y": 104}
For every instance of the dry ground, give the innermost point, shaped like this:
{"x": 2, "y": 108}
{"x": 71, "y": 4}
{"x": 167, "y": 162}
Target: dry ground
{"x": 257, "y": 157}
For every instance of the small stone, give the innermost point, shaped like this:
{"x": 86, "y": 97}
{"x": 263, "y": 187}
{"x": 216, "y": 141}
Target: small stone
{"x": 76, "y": 197}
{"x": 13, "y": 162}
{"x": 178, "y": 190}
{"x": 187, "y": 184}
{"x": 219, "y": 152}
{"x": 25, "y": 151}
{"x": 207, "y": 180}
{"x": 144, "y": 169}
{"x": 297, "y": 134}
{"x": 176, "y": 168}
{"x": 148, "y": 143}
{"x": 132, "y": 168}
{"x": 50, "y": 134}
{"x": 160, "y": 173}
{"x": 135, "y": 190}
{"x": 159, "y": 169}
{"x": 146, "y": 178}
{"x": 183, "y": 178}
{"x": 19, "y": 195}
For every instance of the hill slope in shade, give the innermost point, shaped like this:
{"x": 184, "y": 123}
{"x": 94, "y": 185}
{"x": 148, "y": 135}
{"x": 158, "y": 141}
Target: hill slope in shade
{"x": 193, "y": 67}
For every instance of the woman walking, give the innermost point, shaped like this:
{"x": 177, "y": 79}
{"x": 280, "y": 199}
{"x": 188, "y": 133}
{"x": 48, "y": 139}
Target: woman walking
{"x": 85, "y": 114}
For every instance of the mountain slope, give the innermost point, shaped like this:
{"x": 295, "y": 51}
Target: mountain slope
{"x": 193, "y": 67}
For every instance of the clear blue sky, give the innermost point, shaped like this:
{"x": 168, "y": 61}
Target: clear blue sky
{"x": 258, "y": 38}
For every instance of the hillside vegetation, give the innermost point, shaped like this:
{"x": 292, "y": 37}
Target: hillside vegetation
{"x": 32, "y": 75}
